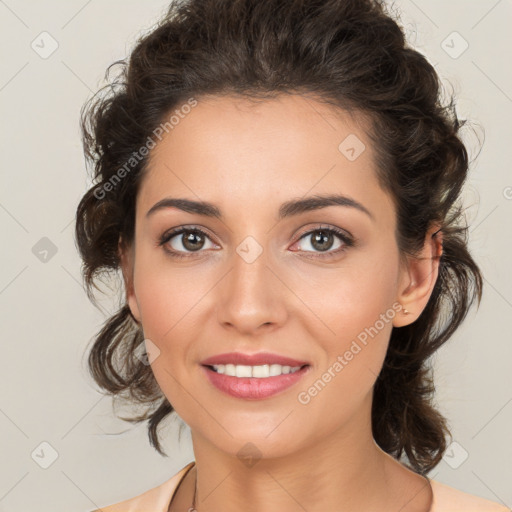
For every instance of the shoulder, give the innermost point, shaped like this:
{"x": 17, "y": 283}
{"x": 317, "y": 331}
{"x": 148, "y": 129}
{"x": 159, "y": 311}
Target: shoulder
{"x": 156, "y": 499}
{"x": 449, "y": 499}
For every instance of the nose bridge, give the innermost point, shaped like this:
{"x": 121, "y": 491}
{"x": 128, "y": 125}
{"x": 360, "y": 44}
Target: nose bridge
{"x": 250, "y": 297}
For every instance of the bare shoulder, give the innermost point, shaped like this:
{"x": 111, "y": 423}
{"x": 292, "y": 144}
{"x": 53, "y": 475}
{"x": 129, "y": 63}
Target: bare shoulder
{"x": 449, "y": 499}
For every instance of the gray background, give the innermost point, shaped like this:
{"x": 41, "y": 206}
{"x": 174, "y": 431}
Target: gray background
{"x": 47, "y": 321}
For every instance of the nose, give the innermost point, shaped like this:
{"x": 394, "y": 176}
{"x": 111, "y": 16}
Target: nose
{"x": 251, "y": 297}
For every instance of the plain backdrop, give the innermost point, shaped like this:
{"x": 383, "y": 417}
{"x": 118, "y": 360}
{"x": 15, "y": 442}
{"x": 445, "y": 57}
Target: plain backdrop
{"x": 62, "y": 448}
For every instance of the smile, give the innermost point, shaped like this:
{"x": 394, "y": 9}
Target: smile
{"x": 260, "y": 372}
{"x": 254, "y": 382}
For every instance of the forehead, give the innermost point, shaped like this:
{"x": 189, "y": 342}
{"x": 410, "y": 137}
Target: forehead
{"x": 287, "y": 126}
{"x": 235, "y": 151}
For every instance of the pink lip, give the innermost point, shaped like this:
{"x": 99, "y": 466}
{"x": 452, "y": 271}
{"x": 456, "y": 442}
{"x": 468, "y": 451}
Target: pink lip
{"x": 257, "y": 359}
{"x": 253, "y": 388}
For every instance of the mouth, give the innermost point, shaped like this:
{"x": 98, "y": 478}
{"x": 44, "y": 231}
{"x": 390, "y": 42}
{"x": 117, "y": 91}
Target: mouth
{"x": 254, "y": 382}
{"x": 263, "y": 371}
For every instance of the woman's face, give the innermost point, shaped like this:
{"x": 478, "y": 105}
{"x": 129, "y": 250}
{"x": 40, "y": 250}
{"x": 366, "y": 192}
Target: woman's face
{"x": 264, "y": 278}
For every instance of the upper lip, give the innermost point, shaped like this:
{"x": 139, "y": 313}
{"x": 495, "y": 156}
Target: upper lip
{"x": 260, "y": 358}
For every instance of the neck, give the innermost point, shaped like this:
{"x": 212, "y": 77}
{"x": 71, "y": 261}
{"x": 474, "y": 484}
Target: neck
{"x": 342, "y": 473}
{"x": 288, "y": 487}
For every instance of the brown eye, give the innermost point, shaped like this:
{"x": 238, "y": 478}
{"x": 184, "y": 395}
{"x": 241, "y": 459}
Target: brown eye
{"x": 192, "y": 240}
{"x": 183, "y": 241}
{"x": 322, "y": 240}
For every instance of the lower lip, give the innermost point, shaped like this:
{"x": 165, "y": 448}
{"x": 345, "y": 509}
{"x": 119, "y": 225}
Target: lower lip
{"x": 253, "y": 388}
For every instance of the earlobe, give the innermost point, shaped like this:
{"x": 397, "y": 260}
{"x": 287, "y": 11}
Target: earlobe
{"x": 419, "y": 279}
{"x": 126, "y": 263}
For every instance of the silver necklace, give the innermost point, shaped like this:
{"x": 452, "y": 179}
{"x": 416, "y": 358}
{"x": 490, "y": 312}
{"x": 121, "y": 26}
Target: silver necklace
{"x": 195, "y": 493}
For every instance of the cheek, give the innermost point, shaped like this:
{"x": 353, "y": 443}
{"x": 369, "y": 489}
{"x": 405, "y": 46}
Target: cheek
{"x": 166, "y": 301}
{"x": 167, "y": 296}
{"x": 344, "y": 382}
{"x": 167, "y": 322}
{"x": 345, "y": 301}
{"x": 353, "y": 321}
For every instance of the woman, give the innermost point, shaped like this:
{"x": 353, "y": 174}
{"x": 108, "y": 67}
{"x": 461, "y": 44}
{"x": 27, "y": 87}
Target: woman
{"x": 279, "y": 184}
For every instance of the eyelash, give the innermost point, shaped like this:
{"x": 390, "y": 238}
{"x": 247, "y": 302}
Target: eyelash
{"x": 348, "y": 241}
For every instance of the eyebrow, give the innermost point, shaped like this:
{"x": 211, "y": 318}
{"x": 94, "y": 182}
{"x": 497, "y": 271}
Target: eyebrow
{"x": 287, "y": 209}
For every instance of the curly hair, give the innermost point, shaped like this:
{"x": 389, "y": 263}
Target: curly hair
{"x": 351, "y": 54}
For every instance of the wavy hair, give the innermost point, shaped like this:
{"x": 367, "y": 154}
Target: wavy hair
{"x": 351, "y": 54}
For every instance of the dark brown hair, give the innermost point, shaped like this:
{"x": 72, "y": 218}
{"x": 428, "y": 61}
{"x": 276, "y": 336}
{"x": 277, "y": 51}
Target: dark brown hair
{"x": 350, "y": 54}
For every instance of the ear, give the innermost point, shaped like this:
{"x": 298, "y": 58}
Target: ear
{"x": 127, "y": 260}
{"x": 418, "y": 279}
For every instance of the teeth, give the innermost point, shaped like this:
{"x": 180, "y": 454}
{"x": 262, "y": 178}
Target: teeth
{"x": 260, "y": 372}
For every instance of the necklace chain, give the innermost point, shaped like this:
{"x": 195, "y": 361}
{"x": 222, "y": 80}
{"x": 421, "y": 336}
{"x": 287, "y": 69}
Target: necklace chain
{"x": 195, "y": 493}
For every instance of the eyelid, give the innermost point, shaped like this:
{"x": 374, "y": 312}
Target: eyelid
{"x": 168, "y": 235}
{"x": 347, "y": 239}
{"x": 325, "y": 227}
{"x": 186, "y": 227}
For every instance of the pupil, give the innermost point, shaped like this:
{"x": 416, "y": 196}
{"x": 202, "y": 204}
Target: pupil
{"x": 320, "y": 239}
{"x": 189, "y": 241}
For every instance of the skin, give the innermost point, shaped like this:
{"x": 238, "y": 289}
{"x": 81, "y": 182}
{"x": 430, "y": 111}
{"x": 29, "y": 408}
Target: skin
{"x": 248, "y": 159}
